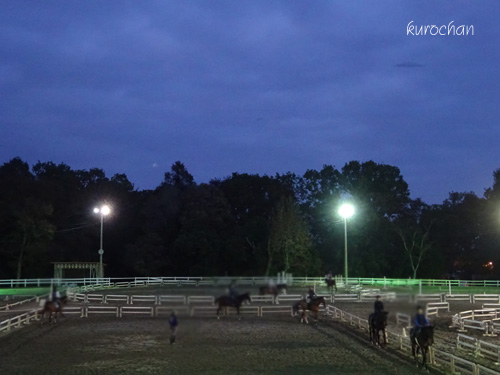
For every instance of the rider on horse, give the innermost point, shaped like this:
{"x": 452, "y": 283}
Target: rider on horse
{"x": 419, "y": 322}
{"x": 56, "y": 297}
{"x": 311, "y": 295}
{"x": 233, "y": 293}
{"x": 378, "y": 306}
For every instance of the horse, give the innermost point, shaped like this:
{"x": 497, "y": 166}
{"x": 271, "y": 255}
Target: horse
{"x": 227, "y": 301}
{"x": 266, "y": 289}
{"x": 52, "y": 308}
{"x": 424, "y": 341}
{"x": 311, "y": 306}
{"x": 330, "y": 283}
{"x": 378, "y": 322}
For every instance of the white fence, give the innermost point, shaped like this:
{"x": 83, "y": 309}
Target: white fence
{"x": 403, "y": 319}
{"x": 478, "y": 347}
{"x": 434, "y": 307}
{"x": 245, "y": 280}
{"x": 436, "y": 357}
{"x": 8, "y": 306}
{"x": 481, "y": 320}
{"x": 18, "y": 320}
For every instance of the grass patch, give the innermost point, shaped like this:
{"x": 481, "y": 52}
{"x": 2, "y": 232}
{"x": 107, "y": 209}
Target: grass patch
{"x": 24, "y": 291}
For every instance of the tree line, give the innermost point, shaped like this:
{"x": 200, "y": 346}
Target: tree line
{"x": 244, "y": 224}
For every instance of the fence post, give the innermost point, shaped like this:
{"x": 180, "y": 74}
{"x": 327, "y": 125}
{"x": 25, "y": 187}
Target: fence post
{"x": 498, "y": 354}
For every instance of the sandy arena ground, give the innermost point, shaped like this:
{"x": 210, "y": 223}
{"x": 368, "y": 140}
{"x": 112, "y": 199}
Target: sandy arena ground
{"x": 273, "y": 344}
{"x": 269, "y": 345}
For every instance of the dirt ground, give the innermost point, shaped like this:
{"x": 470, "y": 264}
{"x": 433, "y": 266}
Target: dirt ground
{"x": 269, "y": 345}
{"x": 274, "y": 344}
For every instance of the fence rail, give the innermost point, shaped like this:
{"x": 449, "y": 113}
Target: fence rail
{"x": 243, "y": 280}
{"x": 436, "y": 357}
{"x": 18, "y": 320}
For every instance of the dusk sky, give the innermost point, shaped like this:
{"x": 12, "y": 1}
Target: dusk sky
{"x": 253, "y": 86}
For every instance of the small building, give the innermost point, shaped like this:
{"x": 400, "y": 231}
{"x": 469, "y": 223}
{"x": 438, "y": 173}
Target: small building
{"x": 76, "y": 270}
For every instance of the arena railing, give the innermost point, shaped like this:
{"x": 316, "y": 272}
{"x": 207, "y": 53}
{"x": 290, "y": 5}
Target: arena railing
{"x": 436, "y": 356}
{"x": 250, "y": 281}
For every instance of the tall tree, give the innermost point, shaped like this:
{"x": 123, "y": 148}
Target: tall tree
{"x": 34, "y": 232}
{"x": 179, "y": 176}
{"x": 290, "y": 247}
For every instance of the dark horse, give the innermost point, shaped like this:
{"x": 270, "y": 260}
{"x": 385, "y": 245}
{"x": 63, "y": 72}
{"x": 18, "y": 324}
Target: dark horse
{"x": 266, "y": 289}
{"x": 52, "y": 308}
{"x": 424, "y": 341}
{"x": 227, "y": 301}
{"x": 378, "y": 322}
{"x": 312, "y": 306}
{"x": 330, "y": 283}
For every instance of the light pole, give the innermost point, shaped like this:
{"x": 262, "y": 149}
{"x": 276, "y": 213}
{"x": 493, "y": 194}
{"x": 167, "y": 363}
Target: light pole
{"x": 346, "y": 211}
{"x": 103, "y": 211}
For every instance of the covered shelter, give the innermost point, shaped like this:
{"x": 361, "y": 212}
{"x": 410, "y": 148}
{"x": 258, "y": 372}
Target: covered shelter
{"x": 93, "y": 268}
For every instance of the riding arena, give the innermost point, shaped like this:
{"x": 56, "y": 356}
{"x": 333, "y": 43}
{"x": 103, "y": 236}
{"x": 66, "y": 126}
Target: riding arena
{"x": 122, "y": 327}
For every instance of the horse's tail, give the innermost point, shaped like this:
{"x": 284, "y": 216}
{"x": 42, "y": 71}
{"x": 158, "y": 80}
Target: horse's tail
{"x": 217, "y": 299}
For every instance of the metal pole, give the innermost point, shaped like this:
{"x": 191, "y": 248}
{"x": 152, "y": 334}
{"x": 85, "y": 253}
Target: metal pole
{"x": 102, "y": 227}
{"x": 101, "y": 251}
{"x": 345, "y": 252}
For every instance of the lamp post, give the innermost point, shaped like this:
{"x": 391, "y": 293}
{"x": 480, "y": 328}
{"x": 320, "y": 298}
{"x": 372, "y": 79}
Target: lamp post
{"x": 346, "y": 211}
{"x": 103, "y": 211}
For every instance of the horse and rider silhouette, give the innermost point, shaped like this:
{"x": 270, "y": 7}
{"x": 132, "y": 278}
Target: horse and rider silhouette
{"x": 421, "y": 336}
{"x": 313, "y": 305}
{"x": 53, "y": 308}
{"x": 272, "y": 289}
{"x": 234, "y": 301}
{"x": 378, "y": 323}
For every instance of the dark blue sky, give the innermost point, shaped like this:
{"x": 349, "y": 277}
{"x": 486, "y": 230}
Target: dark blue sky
{"x": 253, "y": 86}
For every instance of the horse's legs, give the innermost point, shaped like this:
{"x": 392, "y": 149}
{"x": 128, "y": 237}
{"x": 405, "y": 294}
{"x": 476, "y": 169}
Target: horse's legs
{"x": 424, "y": 357}
{"x": 218, "y": 310}
{"x": 385, "y": 336}
{"x": 238, "y": 311}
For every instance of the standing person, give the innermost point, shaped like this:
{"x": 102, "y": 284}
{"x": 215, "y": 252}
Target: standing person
{"x": 174, "y": 323}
